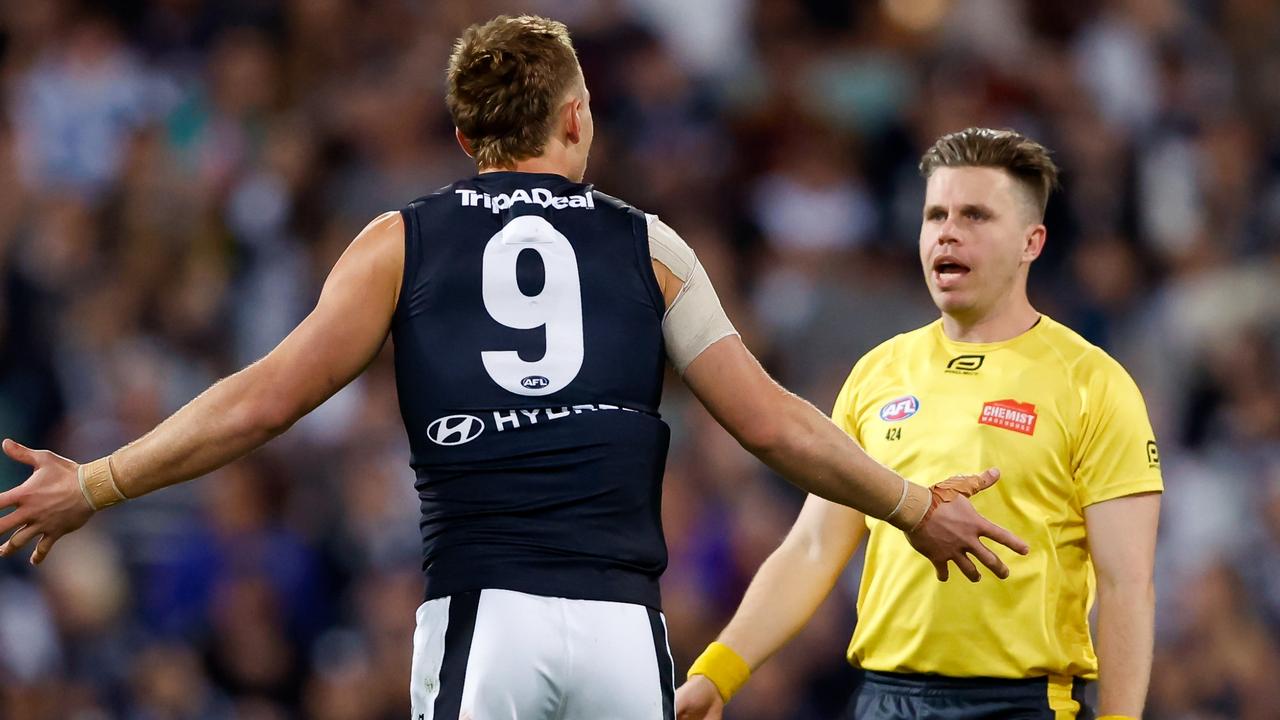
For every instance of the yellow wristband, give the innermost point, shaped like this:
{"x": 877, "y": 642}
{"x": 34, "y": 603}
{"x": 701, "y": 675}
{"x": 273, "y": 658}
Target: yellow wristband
{"x": 723, "y": 667}
{"x": 98, "y": 483}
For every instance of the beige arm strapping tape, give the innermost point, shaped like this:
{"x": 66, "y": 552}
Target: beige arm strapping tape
{"x": 695, "y": 319}
{"x": 98, "y": 484}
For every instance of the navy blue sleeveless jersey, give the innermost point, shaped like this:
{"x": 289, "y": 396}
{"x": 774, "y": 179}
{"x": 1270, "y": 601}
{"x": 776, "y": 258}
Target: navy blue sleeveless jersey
{"x": 529, "y": 364}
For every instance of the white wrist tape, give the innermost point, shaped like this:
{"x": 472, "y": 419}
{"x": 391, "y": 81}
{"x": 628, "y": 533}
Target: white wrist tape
{"x": 906, "y": 488}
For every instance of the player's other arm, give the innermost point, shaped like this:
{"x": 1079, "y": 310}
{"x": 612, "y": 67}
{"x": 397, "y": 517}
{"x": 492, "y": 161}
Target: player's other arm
{"x": 794, "y": 438}
{"x": 798, "y": 441}
{"x": 1122, "y": 541}
{"x": 791, "y": 436}
{"x": 336, "y": 341}
{"x": 782, "y": 597}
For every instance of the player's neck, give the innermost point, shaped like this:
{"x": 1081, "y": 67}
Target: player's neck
{"x": 549, "y": 163}
{"x": 1004, "y": 322}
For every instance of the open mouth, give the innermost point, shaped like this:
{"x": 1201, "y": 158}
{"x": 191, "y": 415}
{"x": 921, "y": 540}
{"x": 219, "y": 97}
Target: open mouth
{"x": 947, "y": 268}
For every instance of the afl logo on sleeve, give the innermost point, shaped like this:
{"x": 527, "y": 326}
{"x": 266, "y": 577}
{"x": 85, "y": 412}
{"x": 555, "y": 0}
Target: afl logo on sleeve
{"x": 900, "y": 408}
{"x": 455, "y": 429}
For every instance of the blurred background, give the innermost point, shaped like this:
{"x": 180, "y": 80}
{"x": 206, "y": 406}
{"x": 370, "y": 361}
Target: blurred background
{"x": 179, "y": 175}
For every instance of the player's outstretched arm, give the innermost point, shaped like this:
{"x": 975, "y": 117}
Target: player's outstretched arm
{"x": 327, "y": 350}
{"x": 794, "y": 438}
{"x": 1122, "y": 542}
{"x": 804, "y": 446}
{"x": 782, "y": 597}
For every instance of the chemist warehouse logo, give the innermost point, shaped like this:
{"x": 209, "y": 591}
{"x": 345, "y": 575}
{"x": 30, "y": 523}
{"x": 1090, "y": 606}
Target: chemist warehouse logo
{"x": 1010, "y": 415}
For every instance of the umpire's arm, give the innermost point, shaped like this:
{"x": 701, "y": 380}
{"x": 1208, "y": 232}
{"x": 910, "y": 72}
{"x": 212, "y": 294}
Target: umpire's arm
{"x": 1122, "y": 541}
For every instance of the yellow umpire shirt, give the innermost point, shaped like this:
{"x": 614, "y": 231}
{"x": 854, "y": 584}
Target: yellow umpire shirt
{"x": 1066, "y": 426}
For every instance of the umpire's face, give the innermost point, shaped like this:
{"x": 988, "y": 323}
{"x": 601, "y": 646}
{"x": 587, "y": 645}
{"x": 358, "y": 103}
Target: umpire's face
{"x": 978, "y": 236}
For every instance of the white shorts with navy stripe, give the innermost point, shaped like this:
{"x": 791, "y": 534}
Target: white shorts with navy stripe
{"x": 505, "y": 655}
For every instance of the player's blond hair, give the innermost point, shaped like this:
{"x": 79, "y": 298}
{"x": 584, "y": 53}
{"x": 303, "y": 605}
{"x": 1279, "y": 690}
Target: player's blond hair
{"x": 1026, "y": 160}
{"x": 506, "y": 79}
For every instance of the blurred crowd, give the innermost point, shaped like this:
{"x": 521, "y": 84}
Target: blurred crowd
{"x": 179, "y": 175}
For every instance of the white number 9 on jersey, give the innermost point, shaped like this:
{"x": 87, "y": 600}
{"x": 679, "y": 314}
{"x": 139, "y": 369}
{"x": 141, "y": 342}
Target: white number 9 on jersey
{"x": 558, "y": 307}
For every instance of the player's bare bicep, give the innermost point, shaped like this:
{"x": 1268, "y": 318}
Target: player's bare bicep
{"x": 376, "y": 257}
{"x": 349, "y": 323}
{"x": 353, "y": 316}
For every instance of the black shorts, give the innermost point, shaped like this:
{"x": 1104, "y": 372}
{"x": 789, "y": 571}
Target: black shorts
{"x": 895, "y": 696}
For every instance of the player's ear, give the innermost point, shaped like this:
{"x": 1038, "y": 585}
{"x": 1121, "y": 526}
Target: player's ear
{"x": 464, "y": 142}
{"x": 572, "y": 118}
{"x": 1034, "y": 242}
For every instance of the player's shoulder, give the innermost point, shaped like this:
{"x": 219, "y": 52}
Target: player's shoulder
{"x": 1082, "y": 360}
{"x": 611, "y": 202}
{"x": 388, "y": 223}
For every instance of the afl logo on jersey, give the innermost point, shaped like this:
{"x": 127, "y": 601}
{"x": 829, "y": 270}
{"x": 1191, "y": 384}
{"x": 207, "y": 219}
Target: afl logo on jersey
{"x": 900, "y": 408}
{"x": 534, "y": 382}
{"x": 455, "y": 429}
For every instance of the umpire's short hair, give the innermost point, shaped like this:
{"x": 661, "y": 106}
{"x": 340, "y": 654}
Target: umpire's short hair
{"x": 1026, "y": 160}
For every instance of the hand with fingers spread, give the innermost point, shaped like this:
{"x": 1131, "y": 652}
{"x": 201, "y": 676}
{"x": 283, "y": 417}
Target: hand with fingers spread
{"x": 50, "y": 504}
{"x": 951, "y": 529}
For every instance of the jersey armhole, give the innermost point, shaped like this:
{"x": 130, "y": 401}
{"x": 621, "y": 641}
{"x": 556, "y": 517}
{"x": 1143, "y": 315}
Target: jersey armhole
{"x": 640, "y": 225}
{"x": 412, "y": 259}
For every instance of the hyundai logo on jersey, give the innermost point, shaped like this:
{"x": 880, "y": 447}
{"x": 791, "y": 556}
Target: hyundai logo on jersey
{"x": 455, "y": 429}
{"x": 900, "y": 408}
